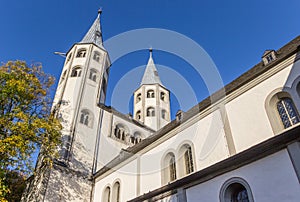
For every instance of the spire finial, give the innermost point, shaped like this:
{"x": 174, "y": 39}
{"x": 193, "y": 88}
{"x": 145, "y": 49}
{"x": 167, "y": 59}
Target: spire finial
{"x": 150, "y": 51}
{"x": 100, "y": 11}
{"x": 94, "y": 34}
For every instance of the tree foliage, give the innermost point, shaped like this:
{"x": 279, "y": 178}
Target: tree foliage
{"x": 26, "y": 122}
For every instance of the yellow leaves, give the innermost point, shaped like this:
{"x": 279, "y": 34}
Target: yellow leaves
{"x": 25, "y": 121}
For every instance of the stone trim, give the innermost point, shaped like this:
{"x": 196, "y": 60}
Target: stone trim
{"x": 229, "y": 182}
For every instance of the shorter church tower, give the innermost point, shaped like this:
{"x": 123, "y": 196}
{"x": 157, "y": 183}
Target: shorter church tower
{"x": 152, "y": 99}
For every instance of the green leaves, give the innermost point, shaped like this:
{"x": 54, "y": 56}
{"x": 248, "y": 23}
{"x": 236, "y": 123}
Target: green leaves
{"x": 26, "y": 123}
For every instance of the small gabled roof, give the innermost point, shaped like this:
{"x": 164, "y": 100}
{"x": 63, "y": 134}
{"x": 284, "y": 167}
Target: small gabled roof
{"x": 151, "y": 74}
{"x": 94, "y": 35}
{"x": 267, "y": 52}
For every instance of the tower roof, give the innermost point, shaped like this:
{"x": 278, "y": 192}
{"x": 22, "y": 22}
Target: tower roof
{"x": 94, "y": 35}
{"x": 151, "y": 74}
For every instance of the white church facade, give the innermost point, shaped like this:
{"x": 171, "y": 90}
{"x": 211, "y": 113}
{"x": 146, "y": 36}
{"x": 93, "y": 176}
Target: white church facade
{"x": 239, "y": 146}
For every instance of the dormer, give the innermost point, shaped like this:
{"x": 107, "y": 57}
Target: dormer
{"x": 179, "y": 115}
{"x": 269, "y": 56}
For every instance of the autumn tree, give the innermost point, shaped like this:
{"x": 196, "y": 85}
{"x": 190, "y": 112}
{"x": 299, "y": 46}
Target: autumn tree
{"x": 26, "y": 122}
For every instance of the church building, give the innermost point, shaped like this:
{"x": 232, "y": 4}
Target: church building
{"x": 238, "y": 146}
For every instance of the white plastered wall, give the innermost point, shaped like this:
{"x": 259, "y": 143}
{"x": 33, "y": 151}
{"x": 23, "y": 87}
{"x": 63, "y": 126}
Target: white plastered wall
{"x": 270, "y": 179}
{"x": 127, "y": 178}
{"x": 247, "y": 114}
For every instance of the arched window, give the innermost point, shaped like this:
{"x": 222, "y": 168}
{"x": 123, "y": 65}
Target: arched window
{"x": 138, "y": 115}
{"x": 96, "y": 56}
{"x": 86, "y": 118}
{"x": 236, "y": 190}
{"x": 63, "y": 76}
{"x": 69, "y": 57}
{"x": 106, "y": 195}
{"x": 93, "y": 75}
{"x": 116, "y": 192}
{"x": 164, "y": 114}
{"x": 76, "y": 72}
{"x": 81, "y": 53}
{"x": 188, "y": 160}
{"x": 104, "y": 85}
{"x": 150, "y": 111}
{"x": 150, "y": 94}
{"x": 138, "y": 98}
{"x": 162, "y": 96}
{"x": 120, "y": 132}
{"x": 287, "y": 112}
{"x": 186, "y": 163}
{"x": 172, "y": 168}
{"x": 281, "y": 109}
{"x": 169, "y": 170}
{"x": 136, "y": 138}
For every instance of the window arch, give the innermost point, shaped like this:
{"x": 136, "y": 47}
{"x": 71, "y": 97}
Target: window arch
{"x": 281, "y": 109}
{"x": 86, "y": 118}
{"x": 69, "y": 57}
{"x": 138, "y": 98}
{"x": 164, "y": 114}
{"x": 172, "y": 168}
{"x": 81, "y": 53}
{"x": 120, "y": 132}
{"x": 136, "y": 138}
{"x": 236, "y": 190}
{"x": 162, "y": 96}
{"x": 93, "y": 75}
{"x": 96, "y": 56}
{"x": 106, "y": 194}
{"x": 169, "y": 171}
{"x": 76, "y": 72}
{"x": 186, "y": 159}
{"x": 63, "y": 76}
{"x": 116, "y": 192}
{"x": 138, "y": 115}
{"x": 150, "y": 111}
{"x": 104, "y": 85}
{"x": 150, "y": 94}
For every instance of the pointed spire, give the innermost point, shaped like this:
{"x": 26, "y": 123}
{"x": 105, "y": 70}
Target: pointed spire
{"x": 151, "y": 74}
{"x": 94, "y": 35}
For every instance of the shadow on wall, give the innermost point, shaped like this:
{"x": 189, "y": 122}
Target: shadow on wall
{"x": 66, "y": 185}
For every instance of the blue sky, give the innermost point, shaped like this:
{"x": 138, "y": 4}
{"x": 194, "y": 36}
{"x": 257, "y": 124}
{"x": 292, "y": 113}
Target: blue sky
{"x": 235, "y": 33}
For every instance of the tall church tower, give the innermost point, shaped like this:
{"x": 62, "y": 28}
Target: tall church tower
{"x": 152, "y": 99}
{"x": 82, "y": 86}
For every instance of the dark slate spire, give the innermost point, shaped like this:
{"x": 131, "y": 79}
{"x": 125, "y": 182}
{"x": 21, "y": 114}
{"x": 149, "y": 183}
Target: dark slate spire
{"x": 151, "y": 74}
{"x": 94, "y": 35}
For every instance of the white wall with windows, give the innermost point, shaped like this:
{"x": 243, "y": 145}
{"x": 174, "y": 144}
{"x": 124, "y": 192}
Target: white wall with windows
{"x": 111, "y": 143}
{"x": 203, "y": 141}
{"x": 208, "y": 146}
{"x": 152, "y": 105}
{"x": 127, "y": 178}
{"x": 270, "y": 179}
{"x": 154, "y": 162}
{"x": 247, "y": 112}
